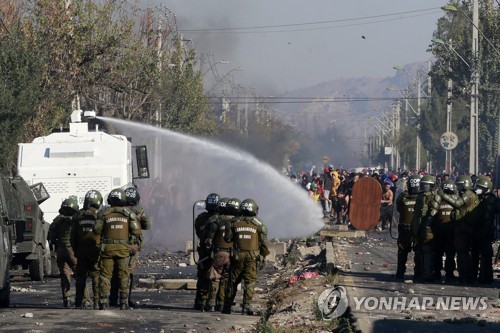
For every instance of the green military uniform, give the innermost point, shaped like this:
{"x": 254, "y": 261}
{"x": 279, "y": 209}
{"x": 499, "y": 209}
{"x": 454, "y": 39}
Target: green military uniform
{"x": 115, "y": 225}
{"x": 444, "y": 242}
{"x": 85, "y": 243}
{"x": 462, "y": 215}
{"x": 204, "y": 254}
{"x": 249, "y": 236}
{"x": 135, "y": 243}
{"x": 482, "y": 251}
{"x": 218, "y": 272}
{"x": 405, "y": 205}
{"x": 59, "y": 235}
{"x": 204, "y": 262}
{"x": 426, "y": 206}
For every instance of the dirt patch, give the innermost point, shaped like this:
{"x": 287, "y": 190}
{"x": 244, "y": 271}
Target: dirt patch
{"x": 293, "y": 288}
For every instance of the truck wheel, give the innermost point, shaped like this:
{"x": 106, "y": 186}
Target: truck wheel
{"x": 36, "y": 266}
{"x": 5, "y": 296}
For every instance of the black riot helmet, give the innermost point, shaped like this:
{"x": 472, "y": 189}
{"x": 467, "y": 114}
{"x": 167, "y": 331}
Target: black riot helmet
{"x": 427, "y": 183}
{"x": 233, "y": 206}
{"x": 483, "y": 185}
{"x": 249, "y": 207}
{"x": 222, "y": 205}
{"x": 413, "y": 184}
{"x": 117, "y": 197}
{"x": 211, "y": 202}
{"x": 132, "y": 196}
{"x": 463, "y": 183}
{"x": 449, "y": 187}
{"x": 93, "y": 198}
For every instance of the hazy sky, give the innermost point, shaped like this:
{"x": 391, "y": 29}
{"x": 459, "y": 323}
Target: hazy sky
{"x": 283, "y": 45}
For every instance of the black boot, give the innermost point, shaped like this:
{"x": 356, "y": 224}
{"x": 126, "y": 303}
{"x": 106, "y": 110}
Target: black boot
{"x": 226, "y": 309}
{"x": 130, "y": 303}
{"x": 104, "y": 305}
{"x": 113, "y": 292}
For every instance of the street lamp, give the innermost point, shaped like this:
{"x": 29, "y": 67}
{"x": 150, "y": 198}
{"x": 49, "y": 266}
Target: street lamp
{"x": 449, "y": 109}
{"x": 449, "y": 46}
{"x": 474, "y": 96}
{"x": 455, "y": 9}
{"x": 419, "y": 90}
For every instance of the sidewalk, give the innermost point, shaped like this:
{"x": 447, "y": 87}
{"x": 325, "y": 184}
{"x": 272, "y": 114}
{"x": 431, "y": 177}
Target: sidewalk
{"x": 367, "y": 267}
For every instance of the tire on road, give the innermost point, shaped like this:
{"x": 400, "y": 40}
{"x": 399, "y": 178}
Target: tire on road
{"x": 36, "y": 266}
{"x": 5, "y": 296}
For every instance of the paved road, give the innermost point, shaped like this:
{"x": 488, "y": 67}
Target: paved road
{"x": 37, "y": 307}
{"x": 368, "y": 267}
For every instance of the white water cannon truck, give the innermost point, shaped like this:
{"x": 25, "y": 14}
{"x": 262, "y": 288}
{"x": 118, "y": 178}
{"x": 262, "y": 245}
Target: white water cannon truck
{"x": 73, "y": 161}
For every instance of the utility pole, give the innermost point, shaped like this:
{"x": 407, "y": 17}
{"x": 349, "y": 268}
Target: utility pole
{"x": 474, "y": 105}
{"x": 449, "y": 109}
{"x": 417, "y": 153}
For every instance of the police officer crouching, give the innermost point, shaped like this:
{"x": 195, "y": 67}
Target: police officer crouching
{"x": 115, "y": 225}
{"x": 249, "y": 237}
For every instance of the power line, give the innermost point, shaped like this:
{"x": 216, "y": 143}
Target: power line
{"x": 306, "y": 100}
{"x": 245, "y": 29}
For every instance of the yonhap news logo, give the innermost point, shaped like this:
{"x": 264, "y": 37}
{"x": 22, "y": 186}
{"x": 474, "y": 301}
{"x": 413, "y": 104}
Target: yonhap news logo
{"x": 333, "y": 303}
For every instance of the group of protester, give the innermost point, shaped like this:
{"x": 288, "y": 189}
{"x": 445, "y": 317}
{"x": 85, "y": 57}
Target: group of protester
{"x": 232, "y": 249}
{"x": 101, "y": 243}
{"x": 451, "y": 216}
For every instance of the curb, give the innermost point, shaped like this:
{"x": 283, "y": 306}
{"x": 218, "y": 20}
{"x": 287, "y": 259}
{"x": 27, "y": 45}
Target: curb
{"x": 331, "y": 268}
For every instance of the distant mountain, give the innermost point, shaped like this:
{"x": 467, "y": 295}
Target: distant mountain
{"x": 347, "y": 107}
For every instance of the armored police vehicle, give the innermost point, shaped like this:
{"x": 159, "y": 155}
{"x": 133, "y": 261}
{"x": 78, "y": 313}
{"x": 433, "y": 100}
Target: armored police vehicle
{"x": 73, "y": 161}
{"x": 5, "y": 257}
{"x": 24, "y": 225}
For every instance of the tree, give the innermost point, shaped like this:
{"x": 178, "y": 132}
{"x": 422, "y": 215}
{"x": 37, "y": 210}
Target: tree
{"x": 20, "y": 78}
{"x": 456, "y": 28}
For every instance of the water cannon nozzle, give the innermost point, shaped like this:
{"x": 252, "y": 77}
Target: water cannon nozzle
{"x": 89, "y": 115}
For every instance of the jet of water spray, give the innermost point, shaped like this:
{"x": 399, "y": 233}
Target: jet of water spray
{"x": 186, "y": 169}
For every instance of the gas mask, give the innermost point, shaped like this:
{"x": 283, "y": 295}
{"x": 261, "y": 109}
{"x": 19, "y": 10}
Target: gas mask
{"x": 479, "y": 191}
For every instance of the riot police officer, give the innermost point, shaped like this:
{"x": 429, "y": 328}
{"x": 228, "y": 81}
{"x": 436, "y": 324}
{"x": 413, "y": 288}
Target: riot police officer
{"x": 482, "y": 250}
{"x": 135, "y": 242}
{"x": 444, "y": 233}
{"x": 85, "y": 243}
{"x": 204, "y": 263}
{"x": 215, "y": 230}
{"x": 405, "y": 204}
{"x": 249, "y": 236}
{"x": 426, "y": 207}
{"x": 463, "y": 207}
{"x": 59, "y": 235}
{"x": 115, "y": 225}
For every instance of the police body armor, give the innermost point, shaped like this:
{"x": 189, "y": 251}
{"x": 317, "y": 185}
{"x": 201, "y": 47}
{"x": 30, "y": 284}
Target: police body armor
{"x": 142, "y": 217}
{"x": 471, "y": 201}
{"x": 85, "y": 222}
{"x": 116, "y": 225}
{"x": 444, "y": 213}
{"x": 246, "y": 236}
{"x": 63, "y": 225}
{"x": 420, "y": 211}
{"x": 406, "y": 208}
{"x": 223, "y": 222}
